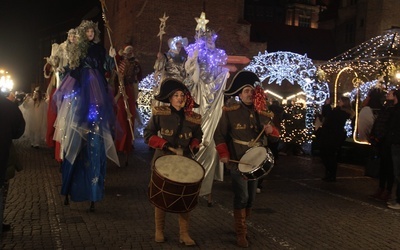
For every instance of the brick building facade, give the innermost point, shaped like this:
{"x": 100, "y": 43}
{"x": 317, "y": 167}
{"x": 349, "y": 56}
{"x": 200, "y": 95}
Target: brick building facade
{"x": 137, "y": 23}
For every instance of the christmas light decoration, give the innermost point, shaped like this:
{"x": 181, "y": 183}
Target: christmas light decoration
{"x": 375, "y": 58}
{"x": 201, "y": 22}
{"x": 145, "y": 96}
{"x": 295, "y": 68}
{"x": 279, "y": 66}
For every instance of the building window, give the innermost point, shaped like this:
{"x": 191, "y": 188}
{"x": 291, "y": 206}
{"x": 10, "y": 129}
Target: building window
{"x": 304, "y": 22}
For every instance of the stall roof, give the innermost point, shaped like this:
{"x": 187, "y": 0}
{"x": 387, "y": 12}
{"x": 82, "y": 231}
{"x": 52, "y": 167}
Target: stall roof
{"x": 379, "y": 55}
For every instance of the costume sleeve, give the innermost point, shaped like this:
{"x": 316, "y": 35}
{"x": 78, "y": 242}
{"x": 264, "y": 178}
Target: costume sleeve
{"x": 109, "y": 63}
{"x": 198, "y": 134}
{"x": 150, "y": 134}
{"x": 221, "y": 135}
{"x": 274, "y": 136}
{"x": 275, "y": 132}
{"x": 194, "y": 143}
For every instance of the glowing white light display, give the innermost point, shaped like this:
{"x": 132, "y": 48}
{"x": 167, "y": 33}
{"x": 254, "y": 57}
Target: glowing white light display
{"x": 295, "y": 68}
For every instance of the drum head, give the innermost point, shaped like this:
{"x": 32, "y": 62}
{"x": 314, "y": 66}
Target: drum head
{"x": 179, "y": 169}
{"x": 255, "y": 157}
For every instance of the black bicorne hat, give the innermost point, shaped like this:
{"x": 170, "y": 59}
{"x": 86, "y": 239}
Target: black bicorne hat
{"x": 241, "y": 80}
{"x": 168, "y": 87}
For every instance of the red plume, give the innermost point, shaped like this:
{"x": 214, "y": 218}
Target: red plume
{"x": 260, "y": 103}
{"x": 189, "y": 103}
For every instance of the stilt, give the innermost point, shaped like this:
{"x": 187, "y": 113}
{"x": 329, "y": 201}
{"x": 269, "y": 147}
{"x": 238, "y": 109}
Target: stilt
{"x": 91, "y": 209}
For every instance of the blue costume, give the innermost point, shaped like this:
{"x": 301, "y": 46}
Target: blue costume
{"x": 84, "y": 126}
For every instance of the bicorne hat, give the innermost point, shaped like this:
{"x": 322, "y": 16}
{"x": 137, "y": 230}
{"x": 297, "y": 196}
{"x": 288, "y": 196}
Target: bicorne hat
{"x": 168, "y": 87}
{"x": 241, "y": 80}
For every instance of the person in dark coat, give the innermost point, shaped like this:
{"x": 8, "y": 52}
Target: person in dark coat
{"x": 12, "y": 126}
{"x": 379, "y": 139}
{"x": 333, "y": 135}
{"x": 174, "y": 129}
{"x": 394, "y": 137}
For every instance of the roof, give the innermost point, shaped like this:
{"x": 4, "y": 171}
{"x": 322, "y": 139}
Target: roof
{"x": 372, "y": 57}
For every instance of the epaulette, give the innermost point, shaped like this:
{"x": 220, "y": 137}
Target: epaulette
{"x": 267, "y": 113}
{"x": 232, "y": 107}
{"x": 193, "y": 117}
{"x": 161, "y": 110}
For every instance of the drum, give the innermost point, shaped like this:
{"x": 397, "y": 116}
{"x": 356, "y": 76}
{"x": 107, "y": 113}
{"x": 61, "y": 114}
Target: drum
{"x": 175, "y": 183}
{"x": 256, "y": 163}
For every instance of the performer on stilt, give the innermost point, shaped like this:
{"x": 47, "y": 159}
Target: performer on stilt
{"x": 85, "y": 119}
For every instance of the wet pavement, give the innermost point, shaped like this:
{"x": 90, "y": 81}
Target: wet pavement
{"x": 295, "y": 210}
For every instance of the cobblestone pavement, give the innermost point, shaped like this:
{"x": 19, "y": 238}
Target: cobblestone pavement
{"x": 295, "y": 210}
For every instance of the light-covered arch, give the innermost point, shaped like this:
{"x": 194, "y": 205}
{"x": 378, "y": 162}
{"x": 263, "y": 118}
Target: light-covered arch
{"x": 295, "y": 68}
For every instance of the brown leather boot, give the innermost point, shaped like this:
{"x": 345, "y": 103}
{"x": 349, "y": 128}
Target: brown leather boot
{"x": 377, "y": 194}
{"x": 184, "y": 230}
{"x": 241, "y": 227}
{"x": 385, "y": 196}
{"x": 159, "y": 218}
{"x": 248, "y": 212}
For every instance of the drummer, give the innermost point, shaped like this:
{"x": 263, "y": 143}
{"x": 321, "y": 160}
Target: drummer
{"x": 174, "y": 129}
{"x": 240, "y": 125}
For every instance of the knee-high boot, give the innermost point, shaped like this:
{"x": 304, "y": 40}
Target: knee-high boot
{"x": 241, "y": 227}
{"x": 184, "y": 230}
{"x": 248, "y": 212}
{"x": 159, "y": 219}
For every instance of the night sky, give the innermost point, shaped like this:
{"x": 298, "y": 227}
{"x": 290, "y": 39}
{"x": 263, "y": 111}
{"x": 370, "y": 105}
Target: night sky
{"x": 22, "y": 22}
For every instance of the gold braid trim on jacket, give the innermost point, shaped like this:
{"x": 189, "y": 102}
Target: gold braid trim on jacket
{"x": 231, "y": 107}
{"x": 161, "y": 110}
{"x": 267, "y": 113}
{"x": 194, "y": 118}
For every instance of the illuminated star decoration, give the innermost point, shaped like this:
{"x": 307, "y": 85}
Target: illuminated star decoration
{"x": 162, "y": 26}
{"x": 279, "y": 66}
{"x": 201, "y": 22}
{"x": 295, "y": 68}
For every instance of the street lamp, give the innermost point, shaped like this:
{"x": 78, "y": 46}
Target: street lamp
{"x": 6, "y": 83}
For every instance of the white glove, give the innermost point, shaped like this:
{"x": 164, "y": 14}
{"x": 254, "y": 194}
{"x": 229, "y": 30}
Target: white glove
{"x": 112, "y": 52}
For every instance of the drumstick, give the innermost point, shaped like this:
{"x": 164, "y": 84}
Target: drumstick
{"x": 177, "y": 151}
{"x": 262, "y": 131}
{"x": 240, "y": 162}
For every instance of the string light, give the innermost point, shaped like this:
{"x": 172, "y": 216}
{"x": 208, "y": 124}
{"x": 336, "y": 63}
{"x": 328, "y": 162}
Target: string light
{"x": 295, "y": 68}
{"x": 376, "y": 57}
